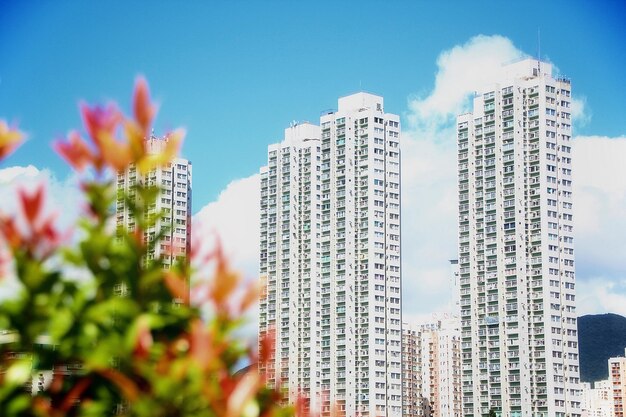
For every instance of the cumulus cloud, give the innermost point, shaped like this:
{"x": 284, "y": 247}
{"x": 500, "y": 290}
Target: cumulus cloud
{"x": 429, "y": 186}
{"x": 233, "y": 219}
{"x": 63, "y": 199}
{"x": 429, "y": 196}
{"x": 601, "y": 295}
{"x": 580, "y": 111}
{"x": 429, "y": 199}
{"x": 600, "y": 211}
{"x": 63, "y": 196}
{"x": 461, "y": 71}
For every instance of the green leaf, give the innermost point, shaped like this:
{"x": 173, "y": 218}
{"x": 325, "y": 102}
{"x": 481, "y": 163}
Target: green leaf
{"x": 60, "y": 323}
{"x": 19, "y": 372}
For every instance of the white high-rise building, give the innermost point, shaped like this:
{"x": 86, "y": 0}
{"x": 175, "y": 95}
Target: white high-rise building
{"x": 330, "y": 261}
{"x": 519, "y": 339}
{"x": 173, "y": 204}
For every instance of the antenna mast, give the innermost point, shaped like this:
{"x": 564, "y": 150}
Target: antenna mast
{"x": 539, "y": 49}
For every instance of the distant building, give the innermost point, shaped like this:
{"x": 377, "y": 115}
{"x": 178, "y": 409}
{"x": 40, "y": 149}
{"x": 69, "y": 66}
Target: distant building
{"x": 597, "y": 401}
{"x": 519, "y": 340}
{"x": 412, "y": 399}
{"x": 330, "y": 261}
{"x": 617, "y": 379}
{"x": 432, "y": 369}
{"x": 607, "y": 397}
{"x": 455, "y": 300}
{"x": 173, "y": 204}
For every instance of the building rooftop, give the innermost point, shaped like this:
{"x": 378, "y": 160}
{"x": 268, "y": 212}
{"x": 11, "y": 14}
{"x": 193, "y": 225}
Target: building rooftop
{"x": 361, "y": 100}
{"x": 526, "y": 67}
{"x": 300, "y": 132}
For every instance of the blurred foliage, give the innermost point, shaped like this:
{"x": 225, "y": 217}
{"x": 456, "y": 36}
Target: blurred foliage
{"x": 124, "y": 338}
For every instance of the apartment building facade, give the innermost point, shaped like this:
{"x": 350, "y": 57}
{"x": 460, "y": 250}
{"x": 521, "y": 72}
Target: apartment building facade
{"x": 330, "y": 261}
{"x": 173, "y": 204}
{"x": 617, "y": 380}
{"x": 432, "y": 369}
{"x": 597, "y": 401}
{"x": 412, "y": 398}
{"x": 519, "y": 341}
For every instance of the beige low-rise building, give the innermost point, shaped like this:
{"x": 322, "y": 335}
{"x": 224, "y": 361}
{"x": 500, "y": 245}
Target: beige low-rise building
{"x": 617, "y": 378}
{"x": 432, "y": 369}
{"x": 597, "y": 400}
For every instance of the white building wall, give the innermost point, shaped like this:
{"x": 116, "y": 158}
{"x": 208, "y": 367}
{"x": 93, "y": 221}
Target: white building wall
{"x": 354, "y": 357}
{"x": 597, "y": 401}
{"x": 411, "y": 372}
{"x": 432, "y": 361}
{"x": 289, "y": 262}
{"x": 173, "y": 203}
{"x": 449, "y": 376}
{"x": 516, "y": 263}
{"x": 435, "y": 370}
{"x": 617, "y": 379}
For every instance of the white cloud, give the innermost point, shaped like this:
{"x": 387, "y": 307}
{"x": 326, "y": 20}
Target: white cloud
{"x": 599, "y": 163}
{"x": 599, "y": 206}
{"x": 462, "y": 70}
{"x": 62, "y": 198}
{"x": 598, "y": 295}
{"x": 429, "y": 199}
{"x": 416, "y": 319}
{"x": 8, "y": 175}
{"x": 580, "y": 111}
{"x": 234, "y": 219}
{"x": 429, "y": 186}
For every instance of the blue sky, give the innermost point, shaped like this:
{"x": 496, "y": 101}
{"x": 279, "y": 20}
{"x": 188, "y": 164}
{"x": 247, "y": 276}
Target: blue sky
{"x": 235, "y": 74}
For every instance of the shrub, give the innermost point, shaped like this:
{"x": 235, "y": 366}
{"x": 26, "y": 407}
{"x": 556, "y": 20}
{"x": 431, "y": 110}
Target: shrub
{"x": 124, "y": 338}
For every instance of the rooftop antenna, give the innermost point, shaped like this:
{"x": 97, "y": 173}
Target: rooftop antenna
{"x": 539, "y": 49}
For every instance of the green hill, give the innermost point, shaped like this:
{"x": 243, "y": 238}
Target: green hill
{"x": 600, "y": 337}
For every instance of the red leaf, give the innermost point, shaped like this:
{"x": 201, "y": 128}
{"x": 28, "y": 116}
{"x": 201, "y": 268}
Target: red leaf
{"x": 250, "y": 297}
{"x": 126, "y": 385}
{"x": 203, "y": 347}
{"x": 31, "y": 203}
{"x": 76, "y": 152}
{"x": 144, "y": 340}
{"x": 143, "y": 110}
{"x": 177, "y": 286}
{"x": 242, "y": 394}
{"x": 224, "y": 283}
{"x": 115, "y": 154}
{"x": 75, "y": 394}
{"x": 99, "y": 120}
{"x": 267, "y": 346}
{"x": 9, "y": 230}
